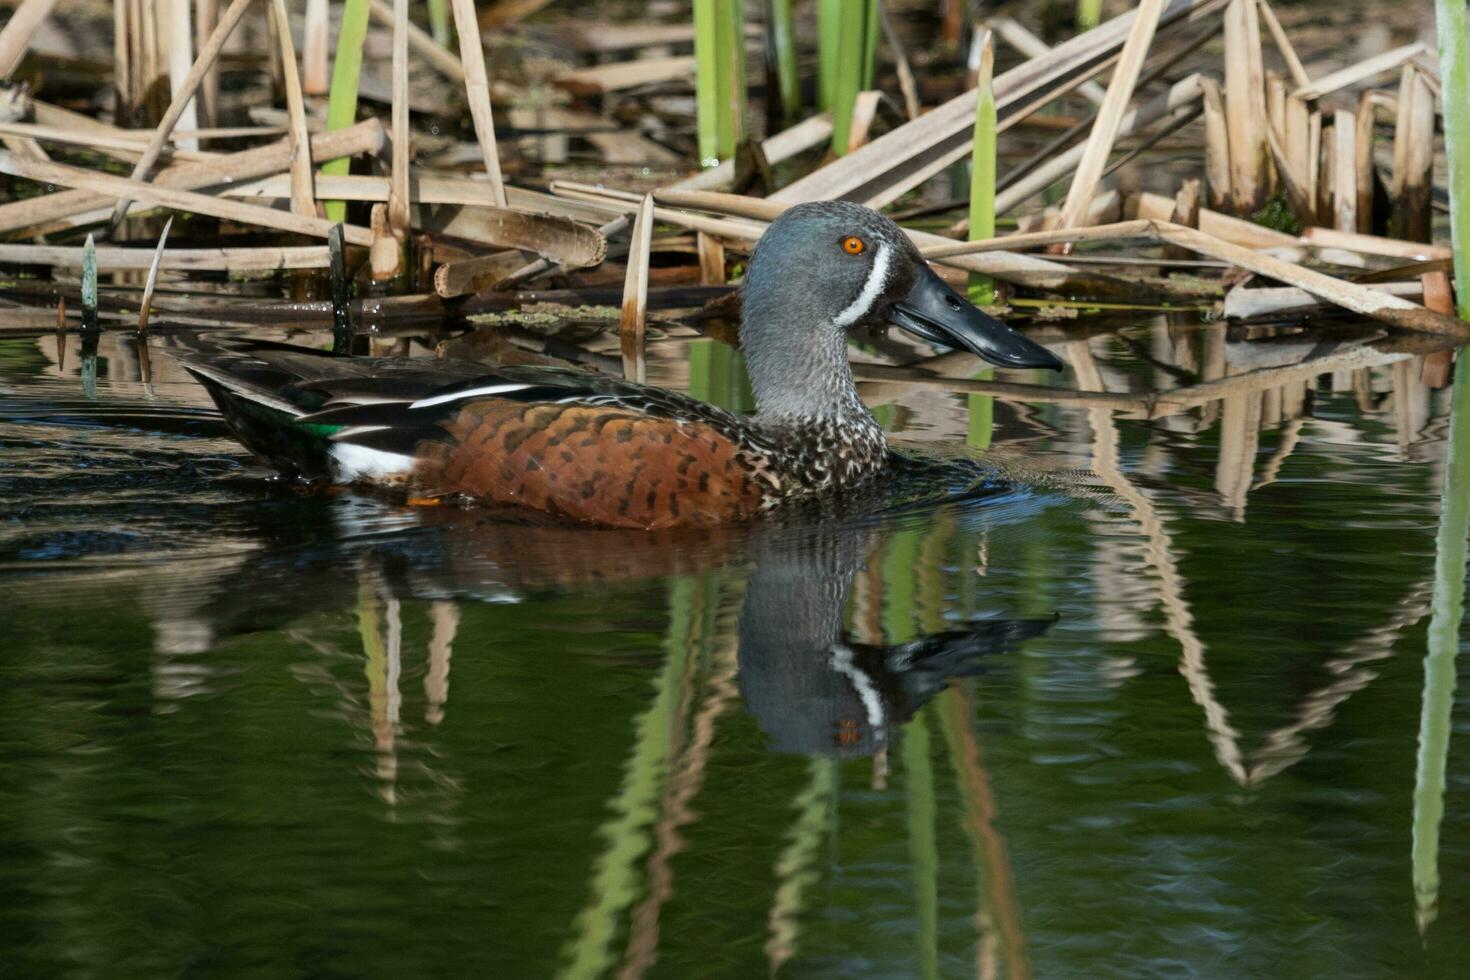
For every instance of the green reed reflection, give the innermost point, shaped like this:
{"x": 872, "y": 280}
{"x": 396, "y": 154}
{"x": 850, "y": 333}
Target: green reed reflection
{"x": 1444, "y": 644}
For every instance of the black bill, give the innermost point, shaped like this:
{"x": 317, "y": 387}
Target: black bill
{"x": 942, "y": 316}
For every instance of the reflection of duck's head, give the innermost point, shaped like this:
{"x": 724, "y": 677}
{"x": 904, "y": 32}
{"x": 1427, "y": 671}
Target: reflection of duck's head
{"x": 815, "y": 691}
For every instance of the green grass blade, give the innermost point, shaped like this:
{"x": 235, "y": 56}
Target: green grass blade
{"x": 342, "y": 99}
{"x": 783, "y": 40}
{"x": 982, "y": 170}
{"x": 1454, "y": 62}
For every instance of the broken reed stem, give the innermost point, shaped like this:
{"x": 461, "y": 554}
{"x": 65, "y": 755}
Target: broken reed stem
{"x": 176, "y": 15}
{"x": 982, "y": 168}
{"x": 145, "y": 309}
{"x": 208, "y": 52}
{"x": 477, "y": 92}
{"x": 303, "y": 199}
{"x": 1283, "y": 46}
{"x": 314, "y": 59}
{"x": 15, "y": 39}
{"x": 89, "y": 285}
{"x": 398, "y": 187}
{"x": 1245, "y": 107}
{"x": 1110, "y": 116}
{"x": 907, "y": 86}
{"x": 635, "y": 294}
{"x": 1454, "y": 67}
{"x": 342, "y": 102}
{"x": 126, "y": 188}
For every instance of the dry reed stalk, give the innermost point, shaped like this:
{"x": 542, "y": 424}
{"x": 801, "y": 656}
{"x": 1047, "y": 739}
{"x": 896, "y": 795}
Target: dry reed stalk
{"x": 1314, "y": 154}
{"x": 206, "y": 18}
{"x": 864, "y": 109}
{"x": 477, "y": 91}
{"x": 1242, "y": 303}
{"x": 303, "y": 198}
{"x": 711, "y": 259}
{"x": 145, "y": 308}
{"x": 1186, "y": 213}
{"x": 1374, "y": 244}
{"x": 1345, "y": 171}
{"x": 1157, "y": 207}
{"x": 74, "y": 208}
{"x": 468, "y": 276}
{"x": 1217, "y": 145}
{"x": 1296, "y": 143}
{"x": 1283, "y": 45}
{"x": 1362, "y": 71}
{"x": 146, "y": 23}
{"x": 183, "y": 95}
{"x": 1018, "y": 37}
{"x": 168, "y": 197}
{"x": 1245, "y": 107}
{"x": 1438, "y": 296}
{"x": 251, "y": 259}
{"x": 438, "y": 57}
{"x": 559, "y": 239}
{"x": 355, "y": 187}
{"x": 121, "y": 61}
{"x": 635, "y": 294}
{"x": 125, "y": 145}
{"x": 1360, "y": 299}
{"x": 1364, "y": 176}
{"x": 1110, "y": 116}
{"x": 1177, "y": 104}
{"x": 385, "y": 249}
{"x": 806, "y": 134}
{"x": 1302, "y": 204}
{"x": 906, "y": 84}
{"x": 180, "y": 47}
{"x": 1413, "y": 175}
{"x": 314, "y": 76}
{"x": 619, "y": 75}
{"x": 398, "y": 219}
{"x": 889, "y": 166}
{"x": 15, "y": 39}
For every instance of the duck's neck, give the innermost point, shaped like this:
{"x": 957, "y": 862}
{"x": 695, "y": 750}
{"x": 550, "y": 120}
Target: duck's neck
{"x": 807, "y": 404}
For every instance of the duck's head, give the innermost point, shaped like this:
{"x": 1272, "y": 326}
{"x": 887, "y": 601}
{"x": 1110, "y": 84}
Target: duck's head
{"x": 826, "y": 268}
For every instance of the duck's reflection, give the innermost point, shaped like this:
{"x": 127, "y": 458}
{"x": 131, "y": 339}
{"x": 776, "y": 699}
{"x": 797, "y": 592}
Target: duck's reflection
{"x": 812, "y": 687}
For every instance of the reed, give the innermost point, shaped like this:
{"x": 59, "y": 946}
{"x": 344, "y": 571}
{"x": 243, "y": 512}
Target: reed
{"x": 781, "y": 61}
{"x": 1089, "y": 14}
{"x": 829, "y": 22}
{"x": 89, "y": 285}
{"x": 982, "y": 168}
{"x": 1454, "y": 63}
{"x": 856, "y": 37}
{"x": 634, "y": 316}
{"x": 342, "y": 100}
{"x": 439, "y": 22}
{"x": 719, "y": 78}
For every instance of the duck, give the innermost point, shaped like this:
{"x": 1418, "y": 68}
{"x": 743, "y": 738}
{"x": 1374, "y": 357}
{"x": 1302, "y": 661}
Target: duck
{"x": 594, "y": 449}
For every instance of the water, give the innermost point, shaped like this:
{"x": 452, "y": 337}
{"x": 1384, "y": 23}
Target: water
{"x": 1153, "y": 711}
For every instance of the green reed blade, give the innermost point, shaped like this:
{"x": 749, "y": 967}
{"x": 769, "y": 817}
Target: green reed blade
{"x": 1089, "y": 14}
{"x": 1454, "y": 61}
{"x": 719, "y": 78}
{"x": 782, "y": 42}
{"x": 342, "y": 98}
{"x": 439, "y": 22}
{"x": 852, "y": 24}
{"x": 920, "y": 814}
{"x": 829, "y": 31}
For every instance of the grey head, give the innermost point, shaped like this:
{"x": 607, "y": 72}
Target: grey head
{"x": 826, "y": 268}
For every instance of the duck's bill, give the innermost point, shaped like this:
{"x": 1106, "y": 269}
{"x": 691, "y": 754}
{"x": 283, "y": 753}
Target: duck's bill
{"x": 934, "y": 312}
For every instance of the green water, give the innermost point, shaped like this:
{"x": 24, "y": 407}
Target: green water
{"x": 1158, "y": 716}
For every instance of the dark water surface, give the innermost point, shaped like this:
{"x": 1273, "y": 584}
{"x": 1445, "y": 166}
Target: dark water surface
{"x": 1154, "y": 711}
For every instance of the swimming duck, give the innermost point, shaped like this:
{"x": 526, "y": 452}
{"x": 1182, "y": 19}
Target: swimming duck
{"x": 600, "y": 450}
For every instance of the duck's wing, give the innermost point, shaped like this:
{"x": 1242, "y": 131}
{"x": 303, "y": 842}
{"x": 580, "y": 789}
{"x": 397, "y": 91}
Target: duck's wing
{"x": 586, "y": 446}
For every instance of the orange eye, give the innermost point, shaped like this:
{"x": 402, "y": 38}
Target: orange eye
{"x": 853, "y": 245}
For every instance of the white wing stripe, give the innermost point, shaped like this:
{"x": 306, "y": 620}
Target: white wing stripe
{"x": 455, "y": 396}
{"x": 872, "y": 289}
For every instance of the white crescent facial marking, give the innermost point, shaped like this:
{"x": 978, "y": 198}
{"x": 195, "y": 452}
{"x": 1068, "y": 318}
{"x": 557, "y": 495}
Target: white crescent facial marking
{"x": 455, "y": 396}
{"x": 842, "y": 662}
{"x": 872, "y": 289}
